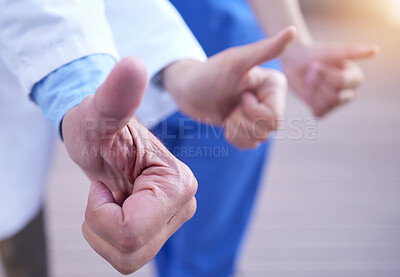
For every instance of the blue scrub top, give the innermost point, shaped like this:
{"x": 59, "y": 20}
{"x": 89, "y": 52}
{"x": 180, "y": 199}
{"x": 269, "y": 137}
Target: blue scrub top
{"x": 208, "y": 244}
{"x": 220, "y": 24}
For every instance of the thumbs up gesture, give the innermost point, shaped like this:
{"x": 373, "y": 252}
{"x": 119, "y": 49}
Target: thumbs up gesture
{"x": 325, "y": 76}
{"x": 232, "y": 91}
{"x": 140, "y": 193}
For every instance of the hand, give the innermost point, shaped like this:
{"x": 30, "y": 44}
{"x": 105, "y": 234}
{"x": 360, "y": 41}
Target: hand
{"x": 230, "y": 90}
{"x": 325, "y": 77}
{"x": 140, "y": 193}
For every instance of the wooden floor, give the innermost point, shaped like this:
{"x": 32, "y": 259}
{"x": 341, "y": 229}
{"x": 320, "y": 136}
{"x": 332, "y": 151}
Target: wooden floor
{"x": 330, "y": 205}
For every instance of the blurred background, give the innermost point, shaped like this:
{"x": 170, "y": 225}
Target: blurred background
{"x": 331, "y": 203}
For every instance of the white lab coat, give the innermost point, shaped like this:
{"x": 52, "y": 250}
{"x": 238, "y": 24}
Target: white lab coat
{"x": 39, "y": 36}
{"x": 26, "y": 144}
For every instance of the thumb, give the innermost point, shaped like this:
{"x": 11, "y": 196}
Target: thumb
{"x": 118, "y": 98}
{"x": 338, "y": 54}
{"x": 259, "y": 52}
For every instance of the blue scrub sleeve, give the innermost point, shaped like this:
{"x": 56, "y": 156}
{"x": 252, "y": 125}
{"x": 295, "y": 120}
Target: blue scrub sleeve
{"x": 67, "y": 86}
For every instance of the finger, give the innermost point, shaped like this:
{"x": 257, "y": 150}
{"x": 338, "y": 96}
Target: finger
{"x": 122, "y": 262}
{"x": 142, "y": 215}
{"x": 239, "y": 131}
{"x": 257, "y": 53}
{"x": 335, "y": 54}
{"x": 263, "y": 117}
{"x": 317, "y": 94}
{"x": 269, "y": 87}
{"x": 118, "y": 98}
{"x": 273, "y": 94}
{"x": 353, "y": 75}
{"x": 348, "y": 77}
{"x": 346, "y": 96}
{"x": 105, "y": 217}
{"x": 127, "y": 263}
{"x": 325, "y": 99}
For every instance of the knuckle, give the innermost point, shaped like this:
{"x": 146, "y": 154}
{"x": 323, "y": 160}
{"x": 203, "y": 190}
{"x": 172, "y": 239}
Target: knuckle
{"x": 279, "y": 78}
{"x": 89, "y": 215}
{"x": 189, "y": 183}
{"x": 190, "y": 210}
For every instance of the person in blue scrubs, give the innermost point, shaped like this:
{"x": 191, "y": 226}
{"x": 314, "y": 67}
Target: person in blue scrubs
{"x": 229, "y": 178}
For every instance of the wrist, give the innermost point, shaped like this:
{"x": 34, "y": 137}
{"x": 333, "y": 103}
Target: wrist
{"x": 297, "y": 49}
{"x": 175, "y": 78}
{"x": 302, "y": 41}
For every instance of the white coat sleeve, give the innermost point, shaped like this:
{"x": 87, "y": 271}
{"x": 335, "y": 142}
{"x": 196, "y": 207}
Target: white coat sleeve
{"x": 39, "y": 36}
{"x": 154, "y": 31}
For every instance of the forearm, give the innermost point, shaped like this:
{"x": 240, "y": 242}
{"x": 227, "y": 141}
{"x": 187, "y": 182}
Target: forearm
{"x": 274, "y": 15}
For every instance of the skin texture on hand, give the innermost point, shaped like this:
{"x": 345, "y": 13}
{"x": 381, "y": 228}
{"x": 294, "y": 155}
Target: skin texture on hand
{"x": 140, "y": 193}
{"x": 232, "y": 91}
{"x": 325, "y": 76}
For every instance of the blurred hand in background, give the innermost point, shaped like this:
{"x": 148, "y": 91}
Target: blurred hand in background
{"x": 231, "y": 89}
{"x": 324, "y": 76}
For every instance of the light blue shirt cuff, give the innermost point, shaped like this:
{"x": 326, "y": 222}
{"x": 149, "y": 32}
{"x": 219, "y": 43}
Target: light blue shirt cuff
{"x": 67, "y": 86}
